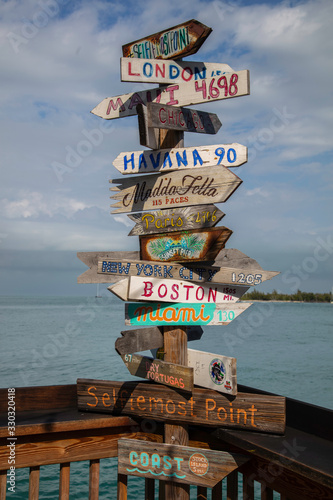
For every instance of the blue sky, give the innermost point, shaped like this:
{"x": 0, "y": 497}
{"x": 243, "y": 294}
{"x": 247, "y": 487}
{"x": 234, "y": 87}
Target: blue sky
{"x": 59, "y": 59}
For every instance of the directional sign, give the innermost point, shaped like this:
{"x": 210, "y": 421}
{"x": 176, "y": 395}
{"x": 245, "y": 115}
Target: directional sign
{"x": 143, "y": 339}
{"x": 213, "y": 371}
{"x": 154, "y": 289}
{"x": 157, "y": 71}
{"x": 175, "y": 189}
{"x": 149, "y": 137}
{"x": 176, "y": 42}
{"x": 192, "y": 92}
{"x": 185, "y": 119}
{"x": 255, "y": 412}
{"x": 91, "y": 259}
{"x": 181, "y": 246}
{"x": 166, "y": 160}
{"x": 156, "y": 313}
{"x": 177, "y": 376}
{"x": 175, "y": 220}
{"x": 179, "y": 464}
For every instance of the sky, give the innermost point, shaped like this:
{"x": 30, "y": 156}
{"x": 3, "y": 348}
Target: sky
{"x": 60, "y": 58}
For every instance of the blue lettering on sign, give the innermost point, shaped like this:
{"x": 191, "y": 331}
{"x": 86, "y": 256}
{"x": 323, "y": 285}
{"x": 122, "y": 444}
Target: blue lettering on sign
{"x": 196, "y": 158}
{"x": 154, "y": 162}
{"x": 180, "y": 159}
{"x": 148, "y": 69}
{"x": 200, "y": 74}
{"x": 231, "y": 150}
{"x": 167, "y": 159}
{"x": 173, "y": 72}
{"x": 142, "y": 161}
{"x": 126, "y": 161}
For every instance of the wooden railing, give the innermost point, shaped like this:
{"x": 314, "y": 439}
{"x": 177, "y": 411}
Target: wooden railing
{"x": 50, "y": 430}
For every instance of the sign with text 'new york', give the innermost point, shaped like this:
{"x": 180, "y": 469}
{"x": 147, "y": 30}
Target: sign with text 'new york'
{"x": 185, "y": 94}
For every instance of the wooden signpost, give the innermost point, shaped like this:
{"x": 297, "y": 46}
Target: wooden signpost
{"x": 185, "y": 94}
{"x": 182, "y": 464}
{"x": 175, "y": 220}
{"x": 176, "y": 42}
{"x": 146, "y": 162}
{"x": 156, "y": 313}
{"x": 213, "y": 371}
{"x": 155, "y": 289}
{"x": 177, "y": 376}
{"x": 175, "y": 189}
{"x": 165, "y": 72}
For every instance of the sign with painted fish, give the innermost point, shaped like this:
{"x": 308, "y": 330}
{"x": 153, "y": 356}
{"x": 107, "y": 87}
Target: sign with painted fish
{"x": 175, "y": 189}
{"x": 167, "y": 160}
{"x": 176, "y": 42}
{"x": 213, "y": 371}
{"x": 157, "y": 313}
{"x": 164, "y": 72}
{"x": 179, "y": 94}
{"x": 155, "y": 289}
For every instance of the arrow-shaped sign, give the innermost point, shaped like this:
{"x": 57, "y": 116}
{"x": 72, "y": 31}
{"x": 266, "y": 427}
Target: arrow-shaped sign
{"x": 164, "y": 72}
{"x": 154, "y": 289}
{"x": 176, "y": 376}
{"x": 176, "y": 42}
{"x": 156, "y": 313}
{"x": 213, "y": 371}
{"x": 175, "y": 189}
{"x": 166, "y": 160}
{"x": 175, "y": 220}
{"x": 185, "y": 94}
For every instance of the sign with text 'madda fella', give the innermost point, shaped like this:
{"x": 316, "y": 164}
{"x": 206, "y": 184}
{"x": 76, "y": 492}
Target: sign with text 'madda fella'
{"x": 204, "y": 407}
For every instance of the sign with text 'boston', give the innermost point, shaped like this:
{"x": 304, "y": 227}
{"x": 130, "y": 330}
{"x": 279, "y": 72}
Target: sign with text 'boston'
{"x": 157, "y": 71}
{"x": 157, "y": 313}
{"x": 176, "y": 42}
{"x": 166, "y": 160}
{"x": 175, "y": 189}
{"x": 185, "y": 94}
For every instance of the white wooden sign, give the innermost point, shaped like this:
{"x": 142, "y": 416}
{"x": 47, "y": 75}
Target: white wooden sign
{"x": 154, "y": 289}
{"x": 213, "y": 371}
{"x": 185, "y": 94}
{"x": 168, "y": 71}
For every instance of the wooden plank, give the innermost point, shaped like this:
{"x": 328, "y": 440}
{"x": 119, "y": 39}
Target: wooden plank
{"x": 149, "y": 136}
{"x": 94, "y": 466}
{"x": 149, "y": 489}
{"x": 180, "y": 464}
{"x": 162, "y": 372}
{"x": 3, "y": 483}
{"x": 145, "y": 162}
{"x": 266, "y": 492}
{"x": 156, "y": 289}
{"x": 64, "y": 481}
{"x": 165, "y": 72}
{"x": 33, "y": 483}
{"x": 248, "y": 487}
{"x": 122, "y": 487}
{"x": 185, "y": 94}
{"x": 175, "y": 189}
{"x": 91, "y": 259}
{"x": 255, "y": 412}
{"x": 202, "y": 493}
{"x": 213, "y": 371}
{"x": 176, "y": 42}
{"x": 175, "y": 220}
{"x": 185, "y": 119}
{"x": 232, "y": 486}
{"x": 184, "y": 246}
{"x": 145, "y": 339}
{"x": 141, "y": 314}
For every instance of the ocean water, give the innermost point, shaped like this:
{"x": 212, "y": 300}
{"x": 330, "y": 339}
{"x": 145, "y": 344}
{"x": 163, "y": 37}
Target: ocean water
{"x": 285, "y": 348}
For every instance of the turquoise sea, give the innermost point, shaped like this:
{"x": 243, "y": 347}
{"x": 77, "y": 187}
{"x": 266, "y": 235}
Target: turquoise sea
{"x": 285, "y": 348}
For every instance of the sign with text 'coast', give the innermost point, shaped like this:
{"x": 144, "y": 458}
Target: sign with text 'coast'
{"x": 161, "y": 160}
{"x": 179, "y": 464}
{"x": 213, "y": 371}
{"x": 175, "y": 189}
{"x": 255, "y": 412}
{"x": 176, "y": 42}
{"x": 175, "y": 220}
{"x": 196, "y": 245}
{"x": 157, "y": 313}
{"x": 180, "y": 94}
{"x": 154, "y": 289}
{"x": 157, "y": 71}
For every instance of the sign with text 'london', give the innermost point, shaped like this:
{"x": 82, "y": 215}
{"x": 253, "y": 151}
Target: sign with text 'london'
{"x": 175, "y": 189}
{"x": 176, "y": 42}
{"x": 185, "y": 94}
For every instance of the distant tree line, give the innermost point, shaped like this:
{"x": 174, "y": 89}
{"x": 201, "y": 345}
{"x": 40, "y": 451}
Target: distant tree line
{"x": 296, "y": 297}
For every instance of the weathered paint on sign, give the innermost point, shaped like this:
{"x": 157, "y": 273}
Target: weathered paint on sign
{"x": 175, "y": 189}
{"x": 166, "y": 160}
{"x": 157, "y": 71}
{"x": 213, "y": 371}
{"x": 179, "y": 464}
{"x": 156, "y": 313}
{"x": 255, "y": 412}
{"x": 186, "y": 94}
{"x": 179, "y": 41}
